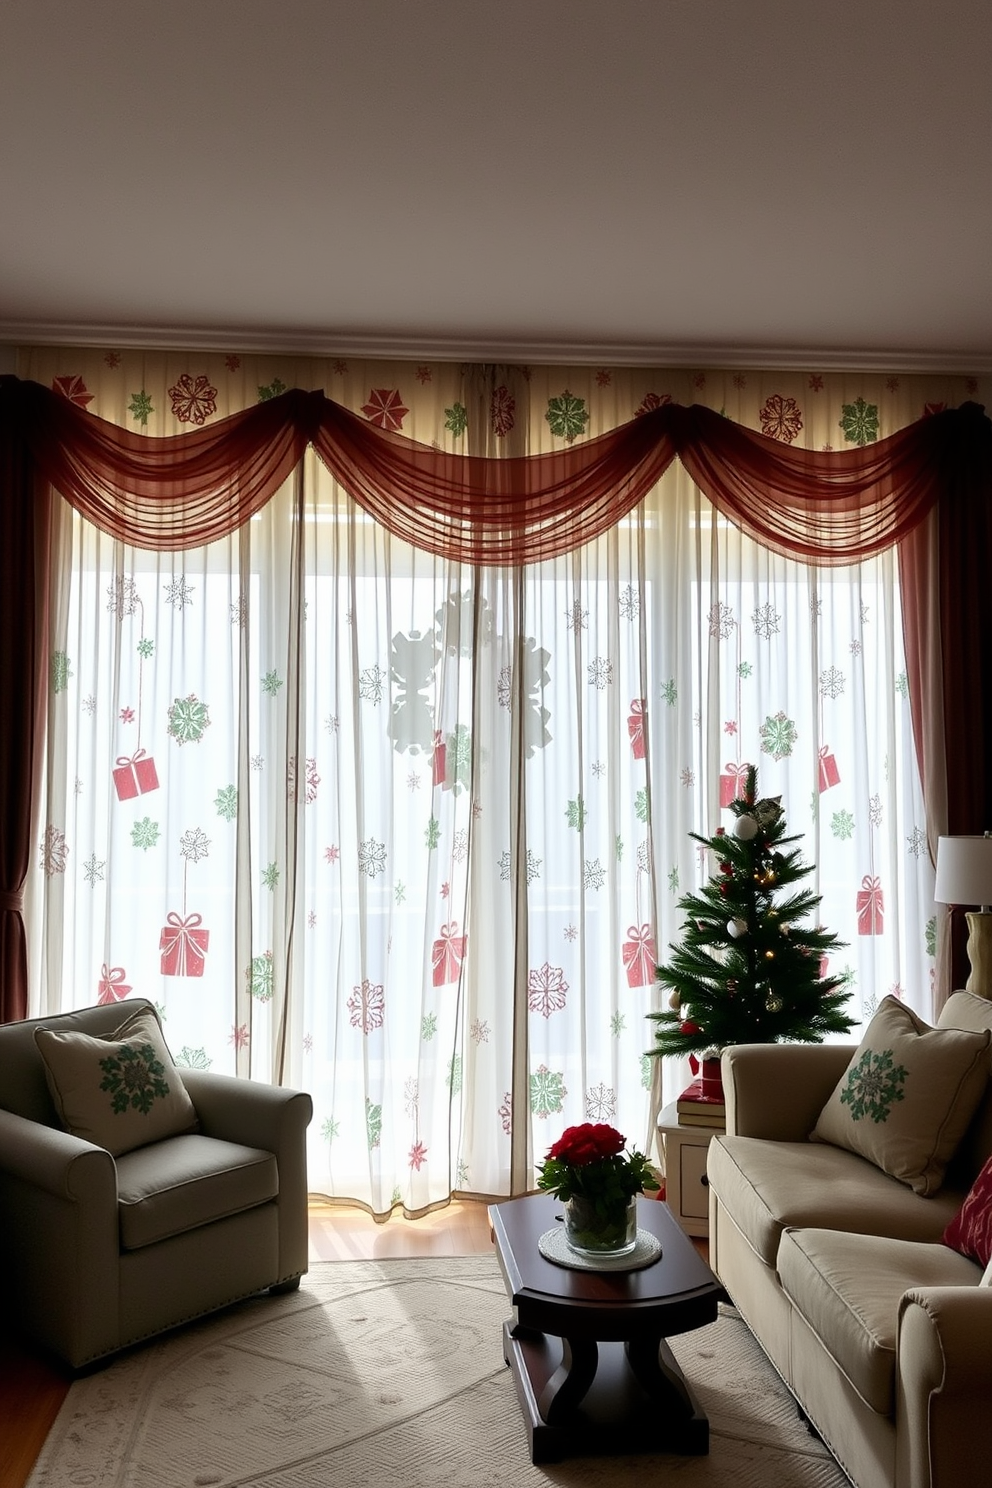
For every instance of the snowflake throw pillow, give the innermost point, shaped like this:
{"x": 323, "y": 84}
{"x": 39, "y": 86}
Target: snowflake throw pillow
{"x": 907, "y": 1096}
{"x": 970, "y": 1231}
{"x": 119, "y": 1092}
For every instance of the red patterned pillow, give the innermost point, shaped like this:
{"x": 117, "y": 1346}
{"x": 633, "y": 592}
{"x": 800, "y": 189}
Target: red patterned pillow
{"x": 970, "y": 1231}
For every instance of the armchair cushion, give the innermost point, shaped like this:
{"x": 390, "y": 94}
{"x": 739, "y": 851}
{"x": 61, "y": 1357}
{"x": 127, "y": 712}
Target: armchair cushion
{"x": 175, "y": 1185}
{"x": 908, "y": 1095}
{"x": 119, "y": 1091}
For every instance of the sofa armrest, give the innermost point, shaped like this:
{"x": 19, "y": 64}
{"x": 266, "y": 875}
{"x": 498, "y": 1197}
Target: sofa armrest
{"x": 276, "y": 1120}
{"x": 943, "y": 1386}
{"x": 777, "y": 1091}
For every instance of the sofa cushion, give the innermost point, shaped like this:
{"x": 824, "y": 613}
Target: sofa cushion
{"x": 765, "y": 1185}
{"x": 908, "y": 1095}
{"x": 847, "y": 1289}
{"x": 120, "y": 1090}
{"x": 970, "y": 1231}
{"x": 175, "y": 1185}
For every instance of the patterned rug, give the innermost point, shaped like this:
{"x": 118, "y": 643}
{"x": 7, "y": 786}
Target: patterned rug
{"x": 391, "y": 1373}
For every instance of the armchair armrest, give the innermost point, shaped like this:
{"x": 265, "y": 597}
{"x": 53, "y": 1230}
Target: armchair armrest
{"x": 247, "y": 1111}
{"x": 56, "y": 1161}
{"x": 59, "y": 1241}
{"x": 778, "y": 1090}
{"x": 276, "y": 1120}
{"x": 943, "y": 1386}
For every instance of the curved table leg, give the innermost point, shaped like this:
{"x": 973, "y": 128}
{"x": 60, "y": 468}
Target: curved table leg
{"x": 653, "y": 1365}
{"x": 570, "y": 1381}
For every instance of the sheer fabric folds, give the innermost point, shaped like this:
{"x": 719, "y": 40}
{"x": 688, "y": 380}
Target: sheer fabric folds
{"x": 827, "y": 508}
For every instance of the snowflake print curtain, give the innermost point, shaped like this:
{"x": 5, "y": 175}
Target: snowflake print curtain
{"x": 407, "y": 828}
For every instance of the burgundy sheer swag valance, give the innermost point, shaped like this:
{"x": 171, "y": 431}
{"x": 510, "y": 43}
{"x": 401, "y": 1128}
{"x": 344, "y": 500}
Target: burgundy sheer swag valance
{"x": 174, "y": 493}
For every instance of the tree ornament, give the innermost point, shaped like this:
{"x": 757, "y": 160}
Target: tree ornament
{"x": 768, "y": 810}
{"x": 674, "y": 1001}
{"x": 773, "y": 1003}
{"x": 736, "y": 928}
{"x": 745, "y": 828}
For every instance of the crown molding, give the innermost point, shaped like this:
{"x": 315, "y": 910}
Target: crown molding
{"x": 509, "y": 350}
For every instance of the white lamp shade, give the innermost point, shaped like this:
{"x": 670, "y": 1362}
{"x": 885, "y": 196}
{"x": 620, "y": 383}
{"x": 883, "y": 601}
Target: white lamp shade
{"x": 964, "y": 870}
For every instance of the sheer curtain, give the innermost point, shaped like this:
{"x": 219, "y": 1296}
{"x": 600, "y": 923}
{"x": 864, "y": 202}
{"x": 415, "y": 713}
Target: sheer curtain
{"x": 412, "y": 833}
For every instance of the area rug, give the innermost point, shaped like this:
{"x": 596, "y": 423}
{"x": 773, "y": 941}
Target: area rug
{"x": 391, "y": 1373}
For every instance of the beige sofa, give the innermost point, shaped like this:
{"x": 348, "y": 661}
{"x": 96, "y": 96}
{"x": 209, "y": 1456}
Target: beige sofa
{"x": 882, "y": 1333}
{"x": 99, "y": 1252}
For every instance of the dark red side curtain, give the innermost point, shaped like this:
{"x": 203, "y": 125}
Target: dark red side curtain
{"x": 947, "y": 626}
{"x": 190, "y": 489}
{"x": 25, "y": 527}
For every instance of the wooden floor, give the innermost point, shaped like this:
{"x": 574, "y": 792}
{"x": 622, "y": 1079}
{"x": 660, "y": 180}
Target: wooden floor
{"x": 32, "y": 1389}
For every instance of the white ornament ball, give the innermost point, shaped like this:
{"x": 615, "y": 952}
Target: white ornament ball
{"x": 674, "y": 1001}
{"x": 745, "y": 827}
{"x": 736, "y": 928}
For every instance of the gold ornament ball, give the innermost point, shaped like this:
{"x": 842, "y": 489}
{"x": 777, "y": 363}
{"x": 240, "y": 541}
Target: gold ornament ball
{"x": 773, "y": 1004}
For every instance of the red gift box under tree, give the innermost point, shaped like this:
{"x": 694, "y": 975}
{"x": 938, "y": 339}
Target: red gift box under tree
{"x": 183, "y": 945}
{"x": 640, "y": 957}
{"x": 135, "y": 776}
{"x": 871, "y": 907}
{"x": 447, "y": 955}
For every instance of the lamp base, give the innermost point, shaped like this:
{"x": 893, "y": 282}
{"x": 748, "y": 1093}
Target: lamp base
{"x": 980, "y": 953}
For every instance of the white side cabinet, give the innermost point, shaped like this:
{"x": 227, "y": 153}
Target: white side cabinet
{"x": 683, "y": 1153}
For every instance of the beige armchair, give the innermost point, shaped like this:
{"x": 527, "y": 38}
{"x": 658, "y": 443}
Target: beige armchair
{"x": 99, "y": 1252}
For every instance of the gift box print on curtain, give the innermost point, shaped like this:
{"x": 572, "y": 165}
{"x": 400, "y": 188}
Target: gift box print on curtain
{"x": 184, "y": 941}
{"x": 134, "y": 774}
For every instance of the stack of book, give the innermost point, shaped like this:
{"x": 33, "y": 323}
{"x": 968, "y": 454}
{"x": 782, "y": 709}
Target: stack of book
{"x": 696, "y": 1109}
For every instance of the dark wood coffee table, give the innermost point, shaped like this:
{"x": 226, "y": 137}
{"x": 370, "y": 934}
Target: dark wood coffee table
{"x": 592, "y": 1370}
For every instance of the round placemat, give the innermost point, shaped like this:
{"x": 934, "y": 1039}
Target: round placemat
{"x": 554, "y": 1247}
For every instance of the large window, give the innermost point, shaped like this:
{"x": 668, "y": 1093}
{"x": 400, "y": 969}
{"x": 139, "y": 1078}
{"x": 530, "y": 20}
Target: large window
{"x": 412, "y": 835}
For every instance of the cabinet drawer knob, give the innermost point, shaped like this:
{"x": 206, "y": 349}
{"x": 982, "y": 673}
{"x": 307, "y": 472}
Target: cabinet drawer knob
{"x": 705, "y": 1181}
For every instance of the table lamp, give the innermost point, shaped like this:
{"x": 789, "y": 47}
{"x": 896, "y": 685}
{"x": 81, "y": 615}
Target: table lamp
{"x": 964, "y": 876}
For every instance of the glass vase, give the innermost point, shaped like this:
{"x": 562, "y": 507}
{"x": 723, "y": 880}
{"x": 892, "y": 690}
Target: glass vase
{"x": 609, "y": 1231}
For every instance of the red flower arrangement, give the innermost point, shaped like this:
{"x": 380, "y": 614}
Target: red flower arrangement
{"x": 590, "y": 1162}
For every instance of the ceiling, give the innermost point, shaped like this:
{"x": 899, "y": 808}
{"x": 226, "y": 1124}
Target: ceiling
{"x": 591, "y": 180}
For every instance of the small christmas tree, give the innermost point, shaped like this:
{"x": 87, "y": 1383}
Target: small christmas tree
{"x": 748, "y": 971}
